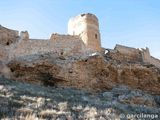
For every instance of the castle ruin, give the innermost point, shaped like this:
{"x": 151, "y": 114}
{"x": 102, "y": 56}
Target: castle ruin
{"x": 83, "y": 39}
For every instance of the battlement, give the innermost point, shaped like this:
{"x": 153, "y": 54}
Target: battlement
{"x": 85, "y": 15}
{"x": 24, "y": 35}
{"x": 60, "y": 36}
{"x": 88, "y": 18}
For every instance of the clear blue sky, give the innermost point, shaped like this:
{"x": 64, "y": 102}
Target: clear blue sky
{"x": 134, "y": 23}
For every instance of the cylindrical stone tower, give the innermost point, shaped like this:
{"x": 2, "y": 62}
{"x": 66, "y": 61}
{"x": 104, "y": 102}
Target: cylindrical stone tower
{"x": 87, "y": 27}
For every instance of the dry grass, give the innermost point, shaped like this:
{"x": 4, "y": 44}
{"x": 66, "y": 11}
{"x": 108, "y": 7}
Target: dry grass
{"x": 20, "y": 101}
{"x": 32, "y": 117}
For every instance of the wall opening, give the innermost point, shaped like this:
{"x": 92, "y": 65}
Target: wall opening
{"x": 96, "y": 36}
{"x": 12, "y": 70}
{"x": 159, "y": 79}
{"x": 106, "y": 51}
{"x": 7, "y": 43}
{"x": 61, "y": 53}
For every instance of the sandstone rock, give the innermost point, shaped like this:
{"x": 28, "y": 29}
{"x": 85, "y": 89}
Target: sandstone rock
{"x": 93, "y": 73}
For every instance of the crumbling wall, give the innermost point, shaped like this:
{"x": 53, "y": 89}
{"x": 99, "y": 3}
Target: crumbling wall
{"x": 3, "y": 53}
{"x": 146, "y": 57}
{"x": 155, "y": 61}
{"x": 59, "y": 44}
{"x": 136, "y": 55}
{"x": 128, "y": 51}
{"x": 7, "y": 36}
{"x": 125, "y": 54}
{"x": 24, "y": 35}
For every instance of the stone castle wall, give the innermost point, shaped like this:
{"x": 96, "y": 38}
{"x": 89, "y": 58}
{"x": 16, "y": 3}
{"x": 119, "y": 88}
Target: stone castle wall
{"x": 145, "y": 54}
{"x": 7, "y": 36}
{"x": 58, "y": 44}
{"x": 83, "y": 39}
{"x": 155, "y": 61}
{"x": 3, "y": 53}
{"x": 128, "y": 54}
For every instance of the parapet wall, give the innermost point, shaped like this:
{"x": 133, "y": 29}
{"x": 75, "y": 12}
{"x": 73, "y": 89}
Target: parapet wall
{"x": 131, "y": 53}
{"x": 123, "y": 53}
{"x": 128, "y": 54}
{"x": 58, "y": 44}
{"x": 155, "y": 61}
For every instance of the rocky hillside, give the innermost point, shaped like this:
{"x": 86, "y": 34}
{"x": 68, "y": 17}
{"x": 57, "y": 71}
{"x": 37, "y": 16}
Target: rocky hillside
{"x": 93, "y": 87}
{"x": 32, "y": 102}
{"x": 93, "y": 73}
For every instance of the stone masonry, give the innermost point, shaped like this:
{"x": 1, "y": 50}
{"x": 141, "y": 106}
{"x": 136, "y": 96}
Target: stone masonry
{"x": 83, "y": 39}
{"x": 87, "y": 27}
{"x": 128, "y": 54}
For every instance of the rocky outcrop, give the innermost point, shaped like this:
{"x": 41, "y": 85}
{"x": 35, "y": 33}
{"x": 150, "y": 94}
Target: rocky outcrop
{"x": 27, "y": 101}
{"x": 93, "y": 73}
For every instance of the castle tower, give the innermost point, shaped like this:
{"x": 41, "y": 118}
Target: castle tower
{"x": 87, "y": 27}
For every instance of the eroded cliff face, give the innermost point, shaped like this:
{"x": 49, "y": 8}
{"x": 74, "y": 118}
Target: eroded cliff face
{"x": 94, "y": 73}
